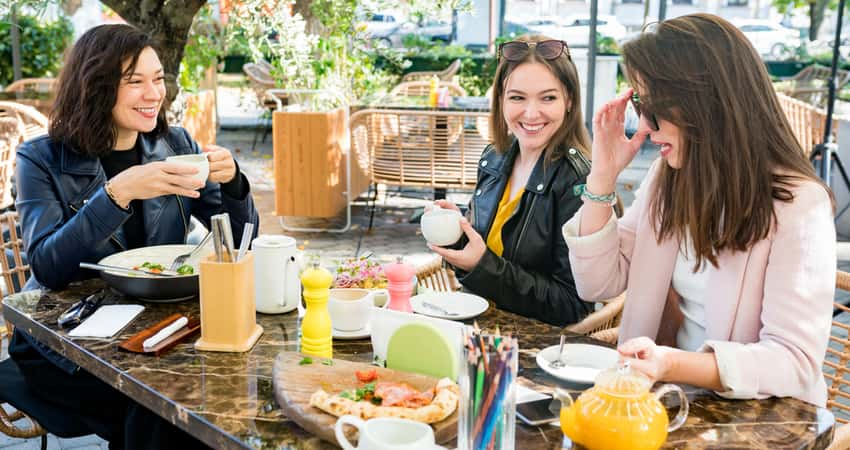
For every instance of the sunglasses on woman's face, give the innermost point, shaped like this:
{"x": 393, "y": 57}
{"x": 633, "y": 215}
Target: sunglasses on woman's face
{"x": 516, "y": 50}
{"x": 653, "y": 121}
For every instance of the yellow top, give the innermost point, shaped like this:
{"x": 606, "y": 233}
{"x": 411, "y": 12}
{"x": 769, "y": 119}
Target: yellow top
{"x": 506, "y": 208}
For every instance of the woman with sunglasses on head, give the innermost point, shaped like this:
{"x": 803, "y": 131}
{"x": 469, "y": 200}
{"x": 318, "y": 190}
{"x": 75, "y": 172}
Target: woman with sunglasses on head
{"x": 512, "y": 252}
{"x": 727, "y": 255}
{"x": 98, "y": 184}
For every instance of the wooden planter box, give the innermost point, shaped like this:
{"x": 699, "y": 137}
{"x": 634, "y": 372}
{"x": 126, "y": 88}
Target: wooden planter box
{"x": 309, "y": 164}
{"x": 200, "y": 117}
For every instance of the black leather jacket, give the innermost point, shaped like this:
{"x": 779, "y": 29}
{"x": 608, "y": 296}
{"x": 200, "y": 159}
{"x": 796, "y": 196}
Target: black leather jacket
{"x": 67, "y": 217}
{"x": 533, "y": 276}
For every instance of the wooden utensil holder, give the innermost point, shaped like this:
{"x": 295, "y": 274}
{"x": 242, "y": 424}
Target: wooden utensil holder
{"x": 228, "y": 315}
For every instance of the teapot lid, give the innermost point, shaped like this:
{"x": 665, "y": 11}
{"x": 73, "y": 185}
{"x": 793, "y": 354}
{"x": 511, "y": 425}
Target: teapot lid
{"x": 622, "y": 380}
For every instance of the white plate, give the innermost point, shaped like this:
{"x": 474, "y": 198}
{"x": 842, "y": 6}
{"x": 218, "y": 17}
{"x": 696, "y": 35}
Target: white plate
{"x": 362, "y": 333}
{"x": 583, "y": 361}
{"x": 460, "y": 304}
{"x": 157, "y": 254}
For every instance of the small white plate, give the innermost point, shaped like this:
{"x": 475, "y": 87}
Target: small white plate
{"x": 459, "y": 305}
{"x": 362, "y": 333}
{"x": 583, "y": 361}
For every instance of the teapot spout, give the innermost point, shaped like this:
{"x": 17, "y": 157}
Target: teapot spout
{"x": 569, "y": 424}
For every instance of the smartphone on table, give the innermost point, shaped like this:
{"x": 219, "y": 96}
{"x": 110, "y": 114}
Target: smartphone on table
{"x": 537, "y": 412}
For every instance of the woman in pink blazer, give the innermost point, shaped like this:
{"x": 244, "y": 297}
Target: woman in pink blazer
{"x": 728, "y": 252}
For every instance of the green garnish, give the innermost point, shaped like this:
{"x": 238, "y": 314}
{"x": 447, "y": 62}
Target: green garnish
{"x": 153, "y": 266}
{"x": 377, "y": 400}
{"x": 305, "y": 361}
{"x": 346, "y": 394}
{"x": 329, "y": 362}
{"x": 186, "y": 269}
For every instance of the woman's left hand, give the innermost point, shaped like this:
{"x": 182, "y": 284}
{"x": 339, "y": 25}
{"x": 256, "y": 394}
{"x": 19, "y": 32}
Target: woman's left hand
{"x": 222, "y": 166}
{"x": 646, "y": 357}
{"x": 467, "y": 258}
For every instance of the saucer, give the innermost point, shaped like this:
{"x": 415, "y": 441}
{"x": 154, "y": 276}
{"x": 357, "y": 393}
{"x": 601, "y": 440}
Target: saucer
{"x": 583, "y": 362}
{"x": 362, "y": 333}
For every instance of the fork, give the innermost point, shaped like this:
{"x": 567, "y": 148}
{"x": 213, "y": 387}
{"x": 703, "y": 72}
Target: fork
{"x": 181, "y": 259}
{"x": 439, "y": 309}
{"x": 558, "y": 363}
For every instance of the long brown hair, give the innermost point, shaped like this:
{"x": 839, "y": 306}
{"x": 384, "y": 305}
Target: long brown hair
{"x": 572, "y": 132}
{"x": 88, "y": 88}
{"x": 701, "y": 74}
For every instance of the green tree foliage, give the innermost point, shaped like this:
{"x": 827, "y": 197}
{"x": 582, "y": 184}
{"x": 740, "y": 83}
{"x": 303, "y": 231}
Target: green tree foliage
{"x": 42, "y": 45}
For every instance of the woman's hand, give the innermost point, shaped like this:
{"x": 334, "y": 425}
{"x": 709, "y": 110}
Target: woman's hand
{"x": 467, "y": 258}
{"x": 654, "y": 361}
{"x": 445, "y": 204}
{"x": 222, "y": 166}
{"x": 612, "y": 150}
{"x": 154, "y": 179}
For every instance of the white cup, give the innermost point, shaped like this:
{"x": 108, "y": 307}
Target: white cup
{"x": 199, "y": 161}
{"x": 351, "y": 308}
{"x": 441, "y": 226}
{"x": 386, "y": 433}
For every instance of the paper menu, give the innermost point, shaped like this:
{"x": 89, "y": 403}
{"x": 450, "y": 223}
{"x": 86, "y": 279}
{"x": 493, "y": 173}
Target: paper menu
{"x": 107, "y": 321}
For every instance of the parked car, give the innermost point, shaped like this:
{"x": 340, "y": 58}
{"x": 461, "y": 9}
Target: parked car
{"x": 770, "y": 39}
{"x": 392, "y": 33}
{"x": 575, "y": 28}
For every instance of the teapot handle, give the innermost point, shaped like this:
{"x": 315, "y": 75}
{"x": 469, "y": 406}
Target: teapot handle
{"x": 680, "y": 418}
{"x": 563, "y": 398}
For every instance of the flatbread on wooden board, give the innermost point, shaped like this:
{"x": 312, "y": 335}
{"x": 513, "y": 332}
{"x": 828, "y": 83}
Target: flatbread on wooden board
{"x": 443, "y": 405}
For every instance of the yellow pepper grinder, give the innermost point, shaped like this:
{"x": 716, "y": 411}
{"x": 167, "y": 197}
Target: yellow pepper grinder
{"x": 316, "y": 324}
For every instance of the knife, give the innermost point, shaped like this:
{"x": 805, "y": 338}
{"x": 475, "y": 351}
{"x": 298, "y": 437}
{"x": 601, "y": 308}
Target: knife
{"x": 160, "y": 335}
{"x": 439, "y": 309}
{"x": 127, "y": 271}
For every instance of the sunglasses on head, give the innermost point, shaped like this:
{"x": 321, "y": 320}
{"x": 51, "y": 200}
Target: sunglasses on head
{"x": 653, "y": 121}
{"x": 516, "y": 50}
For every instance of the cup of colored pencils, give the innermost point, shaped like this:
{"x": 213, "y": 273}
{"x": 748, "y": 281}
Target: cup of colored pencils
{"x": 488, "y": 373}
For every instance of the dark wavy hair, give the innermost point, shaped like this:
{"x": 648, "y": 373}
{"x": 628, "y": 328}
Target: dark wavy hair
{"x": 739, "y": 155}
{"x": 572, "y": 132}
{"x": 88, "y": 88}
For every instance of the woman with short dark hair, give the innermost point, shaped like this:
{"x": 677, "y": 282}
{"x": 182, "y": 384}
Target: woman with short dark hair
{"x": 727, "y": 254}
{"x": 512, "y": 252}
{"x": 98, "y": 184}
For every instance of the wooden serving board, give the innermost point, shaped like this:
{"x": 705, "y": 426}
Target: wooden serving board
{"x": 294, "y": 384}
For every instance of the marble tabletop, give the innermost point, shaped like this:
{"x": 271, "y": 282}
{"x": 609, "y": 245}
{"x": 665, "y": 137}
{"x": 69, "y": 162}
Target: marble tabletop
{"x": 227, "y": 399}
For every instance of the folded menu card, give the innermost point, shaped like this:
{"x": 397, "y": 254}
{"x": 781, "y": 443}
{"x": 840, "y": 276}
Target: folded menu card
{"x": 107, "y": 321}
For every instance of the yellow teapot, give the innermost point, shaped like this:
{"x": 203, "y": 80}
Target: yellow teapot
{"x": 620, "y": 412}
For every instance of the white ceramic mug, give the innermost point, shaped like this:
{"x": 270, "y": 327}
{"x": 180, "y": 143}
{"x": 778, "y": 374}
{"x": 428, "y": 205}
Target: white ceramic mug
{"x": 351, "y": 308}
{"x": 441, "y": 226}
{"x": 277, "y": 288}
{"x": 386, "y": 433}
{"x": 199, "y": 161}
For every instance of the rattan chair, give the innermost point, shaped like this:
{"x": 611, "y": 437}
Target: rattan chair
{"x": 603, "y": 324}
{"x": 11, "y": 134}
{"x": 418, "y": 148}
{"x": 34, "y": 123}
{"x": 41, "y": 85}
{"x": 437, "y": 277}
{"x": 446, "y": 74}
{"x": 836, "y": 370}
{"x": 423, "y": 88}
{"x": 260, "y": 80}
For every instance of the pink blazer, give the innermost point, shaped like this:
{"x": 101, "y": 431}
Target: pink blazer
{"x": 769, "y": 310}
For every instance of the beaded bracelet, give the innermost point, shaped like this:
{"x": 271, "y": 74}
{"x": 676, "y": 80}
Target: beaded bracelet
{"x": 608, "y": 199}
{"x": 111, "y": 194}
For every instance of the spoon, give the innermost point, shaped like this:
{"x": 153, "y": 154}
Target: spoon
{"x": 557, "y": 363}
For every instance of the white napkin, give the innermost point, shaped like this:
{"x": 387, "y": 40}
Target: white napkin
{"x": 107, "y": 321}
{"x": 524, "y": 394}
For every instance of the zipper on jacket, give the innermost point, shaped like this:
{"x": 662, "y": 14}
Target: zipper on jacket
{"x": 524, "y": 225}
{"x": 111, "y": 236}
{"x": 183, "y": 215}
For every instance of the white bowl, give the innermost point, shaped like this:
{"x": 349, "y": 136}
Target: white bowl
{"x": 441, "y": 226}
{"x": 195, "y": 160}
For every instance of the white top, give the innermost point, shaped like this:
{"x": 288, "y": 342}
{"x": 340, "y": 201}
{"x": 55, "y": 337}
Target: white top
{"x": 690, "y": 286}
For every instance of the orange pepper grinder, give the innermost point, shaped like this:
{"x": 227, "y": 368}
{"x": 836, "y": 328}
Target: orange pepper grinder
{"x": 400, "y": 285}
{"x": 316, "y": 324}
